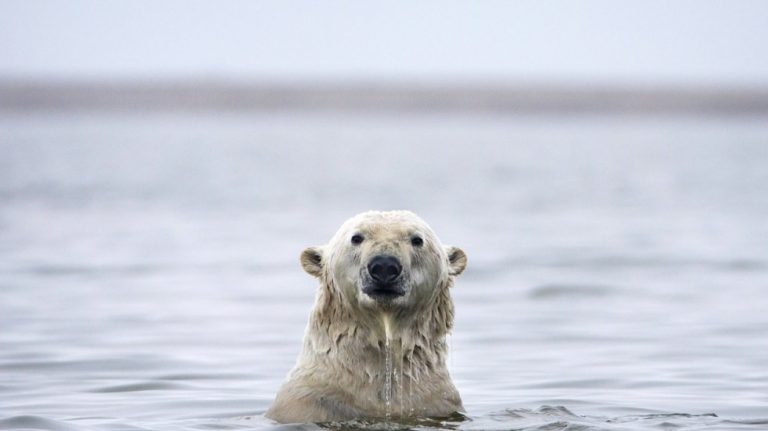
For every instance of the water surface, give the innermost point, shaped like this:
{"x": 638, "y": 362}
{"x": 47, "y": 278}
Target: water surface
{"x": 617, "y": 279}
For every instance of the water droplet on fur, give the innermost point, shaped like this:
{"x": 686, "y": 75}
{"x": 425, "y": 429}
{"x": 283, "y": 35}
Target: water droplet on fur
{"x": 410, "y": 385}
{"x": 388, "y": 377}
{"x": 386, "y": 319}
{"x": 387, "y": 365}
{"x": 401, "y": 366}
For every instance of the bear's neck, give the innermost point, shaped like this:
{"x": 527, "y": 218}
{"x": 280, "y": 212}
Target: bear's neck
{"x": 416, "y": 338}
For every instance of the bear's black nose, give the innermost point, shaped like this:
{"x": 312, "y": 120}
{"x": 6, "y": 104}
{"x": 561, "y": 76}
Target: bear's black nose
{"x": 384, "y": 269}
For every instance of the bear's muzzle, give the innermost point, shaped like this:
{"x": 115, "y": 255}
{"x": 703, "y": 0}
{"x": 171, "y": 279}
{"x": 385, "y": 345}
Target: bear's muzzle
{"x": 384, "y": 272}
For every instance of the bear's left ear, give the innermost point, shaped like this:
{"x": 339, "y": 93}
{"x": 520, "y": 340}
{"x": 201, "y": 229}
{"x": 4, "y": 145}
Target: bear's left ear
{"x": 312, "y": 261}
{"x": 457, "y": 260}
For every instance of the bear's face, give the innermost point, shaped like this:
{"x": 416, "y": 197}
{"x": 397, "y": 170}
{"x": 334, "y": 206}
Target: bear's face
{"x": 385, "y": 260}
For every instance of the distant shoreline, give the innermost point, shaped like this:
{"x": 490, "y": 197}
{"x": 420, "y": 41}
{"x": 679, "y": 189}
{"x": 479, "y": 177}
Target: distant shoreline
{"x": 34, "y": 96}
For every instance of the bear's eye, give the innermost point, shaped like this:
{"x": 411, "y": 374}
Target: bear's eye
{"x": 357, "y": 239}
{"x": 417, "y": 241}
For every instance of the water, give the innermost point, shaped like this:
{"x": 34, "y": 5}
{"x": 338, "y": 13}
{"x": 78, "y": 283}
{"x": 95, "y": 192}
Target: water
{"x": 617, "y": 278}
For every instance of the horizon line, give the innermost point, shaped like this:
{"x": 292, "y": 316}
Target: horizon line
{"x": 25, "y": 95}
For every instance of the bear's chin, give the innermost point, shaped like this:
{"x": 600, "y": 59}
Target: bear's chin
{"x": 373, "y": 294}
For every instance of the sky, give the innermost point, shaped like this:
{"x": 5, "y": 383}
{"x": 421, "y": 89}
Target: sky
{"x": 587, "y": 41}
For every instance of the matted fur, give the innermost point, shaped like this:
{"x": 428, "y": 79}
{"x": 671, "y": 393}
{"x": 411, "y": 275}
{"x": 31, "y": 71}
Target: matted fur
{"x": 341, "y": 371}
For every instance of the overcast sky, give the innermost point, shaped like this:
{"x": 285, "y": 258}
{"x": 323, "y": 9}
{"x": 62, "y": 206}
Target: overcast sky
{"x": 595, "y": 41}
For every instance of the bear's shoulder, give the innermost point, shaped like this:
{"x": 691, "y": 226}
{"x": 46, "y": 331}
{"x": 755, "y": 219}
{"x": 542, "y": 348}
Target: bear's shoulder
{"x": 297, "y": 403}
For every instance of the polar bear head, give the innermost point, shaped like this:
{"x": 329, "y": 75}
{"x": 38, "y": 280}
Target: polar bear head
{"x": 385, "y": 260}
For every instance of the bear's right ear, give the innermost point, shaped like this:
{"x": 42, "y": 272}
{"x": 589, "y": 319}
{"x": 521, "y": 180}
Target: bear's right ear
{"x": 312, "y": 261}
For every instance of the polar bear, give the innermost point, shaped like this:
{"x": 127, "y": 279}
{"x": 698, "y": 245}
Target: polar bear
{"x": 375, "y": 345}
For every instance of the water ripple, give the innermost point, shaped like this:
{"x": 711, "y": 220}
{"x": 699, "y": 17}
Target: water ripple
{"x": 561, "y": 418}
{"x": 143, "y": 386}
{"x": 35, "y": 423}
{"x": 552, "y": 291}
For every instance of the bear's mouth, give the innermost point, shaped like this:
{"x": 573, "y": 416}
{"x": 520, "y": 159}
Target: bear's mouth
{"x": 384, "y": 291}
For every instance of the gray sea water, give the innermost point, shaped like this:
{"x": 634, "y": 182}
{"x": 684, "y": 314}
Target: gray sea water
{"x": 617, "y": 279}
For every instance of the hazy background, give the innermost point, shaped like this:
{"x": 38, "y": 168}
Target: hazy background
{"x": 595, "y": 42}
{"x": 603, "y": 164}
